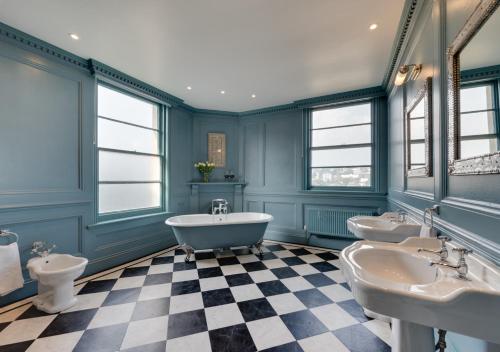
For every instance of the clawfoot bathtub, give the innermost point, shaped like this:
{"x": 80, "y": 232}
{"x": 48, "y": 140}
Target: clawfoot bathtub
{"x": 204, "y": 231}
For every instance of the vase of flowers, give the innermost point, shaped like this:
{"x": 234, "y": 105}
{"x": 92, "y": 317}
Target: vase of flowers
{"x": 205, "y": 168}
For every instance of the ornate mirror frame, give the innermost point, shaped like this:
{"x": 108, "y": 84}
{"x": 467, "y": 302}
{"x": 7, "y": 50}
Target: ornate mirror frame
{"x": 483, "y": 164}
{"x": 426, "y": 94}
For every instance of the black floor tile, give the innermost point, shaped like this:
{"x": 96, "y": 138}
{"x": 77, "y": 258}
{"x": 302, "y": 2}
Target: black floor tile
{"x": 4, "y": 325}
{"x": 303, "y": 324}
{"x": 312, "y": 298}
{"x": 275, "y": 247}
{"x": 327, "y": 256}
{"x": 179, "y": 251}
{"x": 242, "y": 251}
{"x": 204, "y": 255}
{"x": 151, "y": 308}
{"x": 138, "y": 271}
{"x": 108, "y": 338}
{"x": 32, "y": 312}
{"x": 319, "y": 280}
{"x": 184, "y": 266}
{"x": 256, "y": 309}
{"x": 357, "y": 338}
{"x": 267, "y": 256}
{"x": 162, "y": 260}
{"x": 300, "y": 251}
{"x": 284, "y": 273}
{"x": 291, "y": 261}
{"x": 239, "y": 279}
{"x": 254, "y": 266}
{"x": 184, "y": 287}
{"x": 97, "y": 286}
{"x": 127, "y": 295}
{"x": 209, "y": 272}
{"x": 324, "y": 266}
{"x": 152, "y": 347}
{"x": 234, "y": 338}
{"x": 187, "y": 323}
{"x": 354, "y": 309}
{"x": 69, "y": 322}
{"x": 271, "y": 288}
{"x": 16, "y": 347}
{"x": 217, "y": 297}
{"x": 289, "y": 347}
{"x": 345, "y": 285}
{"x": 158, "y": 279}
{"x": 228, "y": 261}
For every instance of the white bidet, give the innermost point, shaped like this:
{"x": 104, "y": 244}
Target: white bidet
{"x": 55, "y": 274}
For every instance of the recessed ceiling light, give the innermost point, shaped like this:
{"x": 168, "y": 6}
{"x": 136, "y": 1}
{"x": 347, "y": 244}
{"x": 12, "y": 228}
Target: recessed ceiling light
{"x": 189, "y": 87}
{"x": 254, "y": 96}
{"x": 222, "y": 92}
{"x": 74, "y": 36}
{"x": 373, "y": 26}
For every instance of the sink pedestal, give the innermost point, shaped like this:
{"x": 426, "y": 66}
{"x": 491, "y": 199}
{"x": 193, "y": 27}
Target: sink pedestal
{"x": 411, "y": 337}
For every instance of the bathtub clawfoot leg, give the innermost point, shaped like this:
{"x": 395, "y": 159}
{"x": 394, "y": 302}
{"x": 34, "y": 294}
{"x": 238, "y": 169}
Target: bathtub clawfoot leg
{"x": 258, "y": 245}
{"x": 188, "y": 251}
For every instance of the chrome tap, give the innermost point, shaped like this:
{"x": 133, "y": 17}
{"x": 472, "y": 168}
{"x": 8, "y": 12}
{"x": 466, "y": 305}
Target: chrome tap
{"x": 402, "y": 216}
{"x": 443, "y": 252}
{"x": 42, "y": 249}
{"x": 461, "y": 267}
{"x": 221, "y": 208}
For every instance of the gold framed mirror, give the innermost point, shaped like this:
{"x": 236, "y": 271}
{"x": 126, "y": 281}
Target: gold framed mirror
{"x": 418, "y": 115}
{"x": 473, "y": 94}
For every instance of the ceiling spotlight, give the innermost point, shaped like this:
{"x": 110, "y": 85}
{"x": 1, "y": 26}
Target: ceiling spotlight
{"x": 74, "y": 36}
{"x": 189, "y": 87}
{"x": 222, "y": 92}
{"x": 373, "y": 26}
{"x": 407, "y": 73}
{"x": 254, "y": 96}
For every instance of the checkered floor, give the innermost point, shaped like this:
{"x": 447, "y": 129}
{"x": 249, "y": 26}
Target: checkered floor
{"x": 293, "y": 299}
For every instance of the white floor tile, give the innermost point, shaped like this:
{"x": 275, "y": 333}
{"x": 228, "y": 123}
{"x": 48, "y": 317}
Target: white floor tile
{"x": 247, "y": 258}
{"x": 333, "y": 316}
{"x": 88, "y": 301}
{"x": 187, "y": 302}
{"x": 25, "y": 329}
{"x": 192, "y": 343}
{"x": 161, "y": 269}
{"x": 185, "y": 275}
{"x": 120, "y": 313}
{"x": 128, "y": 282}
{"x": 145, "y": 331}
{"x": 110, "y": 276}
{"x": 284, "y": 254}
{"x": 304, "y": 269}
{"x": 179, "y": 258}
{"x": 336, "y": 293}
{"x": 12, "y": 315}
{"x": 269, "y": 332}
{"x": 274, "y": 263}
{"x": 233, "y": 269}
{"x": 213, "y": 283}
{"x": 222, "y": 316}
{"x": 381, "y": 329}
{"x": 59, "y": 343}
{"x": 155, "y": 291}
{"x": 319, "y": 342}
{"x": 311, "y": 258}
{"x": 207, "y": 263}
{"x": 146, "y": 262}
{"x": 246, "y": 292}
{"x": 336, "y": 276}
{"x": 297, "y": 283}
{"x": 286, "y": 303}
{"x": 262, "y": 275}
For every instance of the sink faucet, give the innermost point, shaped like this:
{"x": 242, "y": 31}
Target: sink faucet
{"x": 461, "y": 267}
{"x": 443, "y": 252}
{"x": 41, "y": 248}
{"x": 221, "y": 207}
{"x": 402, "y": 216}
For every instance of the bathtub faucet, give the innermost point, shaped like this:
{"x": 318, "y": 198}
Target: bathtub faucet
{"x": 221, "y": 207}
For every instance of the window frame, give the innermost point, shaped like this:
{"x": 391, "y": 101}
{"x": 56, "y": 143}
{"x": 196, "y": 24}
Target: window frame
{"x": 163, "y": 153}
{"x": 373, "y": 145}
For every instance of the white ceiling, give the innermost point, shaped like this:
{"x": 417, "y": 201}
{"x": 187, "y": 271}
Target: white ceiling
{"x": 280, "y": 50}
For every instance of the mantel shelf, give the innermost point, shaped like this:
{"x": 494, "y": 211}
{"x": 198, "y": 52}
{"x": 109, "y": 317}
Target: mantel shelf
{"x": 215, "y": 183}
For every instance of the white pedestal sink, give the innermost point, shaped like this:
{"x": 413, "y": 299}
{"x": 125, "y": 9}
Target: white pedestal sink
{"x": 397, "y": 281}
{"x": 382, "y": 228}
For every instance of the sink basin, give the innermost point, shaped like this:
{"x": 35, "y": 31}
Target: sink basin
{"x": 396, "y": 280}
{"x": 381, "y": 228}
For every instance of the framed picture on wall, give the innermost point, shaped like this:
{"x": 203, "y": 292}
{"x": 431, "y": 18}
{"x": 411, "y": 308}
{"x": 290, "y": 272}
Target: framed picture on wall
{"x": 217, "y": 149}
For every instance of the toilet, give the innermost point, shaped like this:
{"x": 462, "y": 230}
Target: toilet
{"x": 55, "y": 274}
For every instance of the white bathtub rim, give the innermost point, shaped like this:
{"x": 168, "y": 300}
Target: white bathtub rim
{"x": 211, "y": 220}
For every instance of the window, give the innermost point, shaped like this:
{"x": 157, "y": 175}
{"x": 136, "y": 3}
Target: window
{"x": 478, "y": 120}
{"x": 340, "y": 146}
{"x": 130, "y": 153}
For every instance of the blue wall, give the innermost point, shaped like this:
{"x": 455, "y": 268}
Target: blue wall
{"x": 469, "y": 205}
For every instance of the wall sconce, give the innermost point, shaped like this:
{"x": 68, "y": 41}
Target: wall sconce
{"x": 406, "y": 73}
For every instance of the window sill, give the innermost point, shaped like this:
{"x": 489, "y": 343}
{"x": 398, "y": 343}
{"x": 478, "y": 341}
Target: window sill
{"x": 100, "y": 224}
{"x": 353, "y": 192}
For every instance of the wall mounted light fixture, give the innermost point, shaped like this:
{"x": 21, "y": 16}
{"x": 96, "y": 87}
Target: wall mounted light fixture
{"x": 406, "y": 73}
